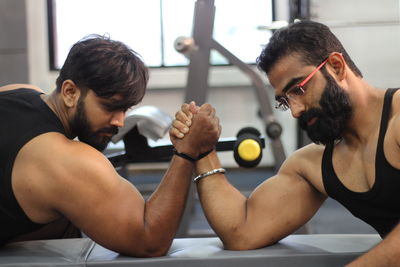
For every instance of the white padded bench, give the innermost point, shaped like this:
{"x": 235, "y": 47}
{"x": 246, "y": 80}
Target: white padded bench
{"x": 294, "y": 250}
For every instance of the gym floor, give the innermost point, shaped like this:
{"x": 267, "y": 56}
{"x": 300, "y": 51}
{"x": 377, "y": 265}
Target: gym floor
{"x": 332, "y": 218}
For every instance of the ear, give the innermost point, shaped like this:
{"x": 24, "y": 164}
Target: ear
{"x": 338, "y": 65}
{"x": 70, "y": 93}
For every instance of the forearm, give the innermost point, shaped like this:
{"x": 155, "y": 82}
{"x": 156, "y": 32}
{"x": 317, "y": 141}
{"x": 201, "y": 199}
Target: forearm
{"x": 164, "y": 209}
{"x": 223, "y": 205}
{"x": 386, "y": 253}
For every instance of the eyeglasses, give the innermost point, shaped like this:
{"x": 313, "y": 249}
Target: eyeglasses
{"x": 282, "y": 103}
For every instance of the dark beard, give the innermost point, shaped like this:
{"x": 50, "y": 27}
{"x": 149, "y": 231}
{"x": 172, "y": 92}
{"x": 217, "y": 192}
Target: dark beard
{"x": 81, "y": 127}
{"x": 332, "y": 117}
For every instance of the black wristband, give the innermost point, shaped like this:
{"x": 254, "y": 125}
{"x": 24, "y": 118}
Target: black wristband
{"x": 205, "y": 154}
{"x": 186, "y": 156}
{"x": 183, "y": 155}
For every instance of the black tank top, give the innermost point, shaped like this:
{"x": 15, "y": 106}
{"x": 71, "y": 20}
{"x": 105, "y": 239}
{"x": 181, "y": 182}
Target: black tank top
{"x": 23, "y": 116}
{"x": 380, "y": 206}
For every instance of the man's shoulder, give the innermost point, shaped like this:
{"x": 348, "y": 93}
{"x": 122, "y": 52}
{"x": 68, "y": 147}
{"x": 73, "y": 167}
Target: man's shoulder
{"x": 306, "y": 163}
{"x": 61, "y": 160}
{"x": 15, "y": 86}
{"x": 54, "y": 168}
{"x": 60, "y": 150}
{"x": 393, "y": 130}
{"x": 396, "y": 103}
{"x": 306, "y": 158}
{"x": 310, "y": 152}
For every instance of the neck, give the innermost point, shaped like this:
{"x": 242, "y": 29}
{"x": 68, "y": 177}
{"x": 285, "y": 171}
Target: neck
{"x": 56, "y": 104}
{"x": 367, "y": 109}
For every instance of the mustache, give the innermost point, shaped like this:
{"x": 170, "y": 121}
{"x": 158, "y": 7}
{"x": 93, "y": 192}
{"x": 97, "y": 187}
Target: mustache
{"x": 109, "y": 130}
{"x": 308, "y": 115}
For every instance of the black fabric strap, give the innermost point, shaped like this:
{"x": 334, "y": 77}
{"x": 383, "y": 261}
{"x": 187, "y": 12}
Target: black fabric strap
{"x": 205, "y": 154}
{"x": 183, "y": 155}
{"x": 186, "y": 156}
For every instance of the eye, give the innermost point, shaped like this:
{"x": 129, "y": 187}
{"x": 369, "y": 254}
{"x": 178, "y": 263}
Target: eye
{"x": 111, "y": 107}
{"x": 108, "y": 108}
{"x": 297, "y": 90}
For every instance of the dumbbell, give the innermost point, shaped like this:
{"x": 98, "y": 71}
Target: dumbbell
{"x": 247, "y": 150}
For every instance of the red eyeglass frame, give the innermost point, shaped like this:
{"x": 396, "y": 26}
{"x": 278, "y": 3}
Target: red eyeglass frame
{"x": 312, "y": 74}
{"x": 300, "y": 86}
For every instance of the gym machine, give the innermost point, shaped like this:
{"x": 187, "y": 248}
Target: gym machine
{"x": 149, "y": 123}
{"x": 197, "y": 48}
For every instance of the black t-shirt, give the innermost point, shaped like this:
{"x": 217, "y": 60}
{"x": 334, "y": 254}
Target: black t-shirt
{"x": 380, "y": 206}
{"x": 23, "y": 116}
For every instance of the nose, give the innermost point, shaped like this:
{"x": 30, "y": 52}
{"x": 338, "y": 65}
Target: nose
{"x": 297, "y": 108}
{"x": 118, "y": 119}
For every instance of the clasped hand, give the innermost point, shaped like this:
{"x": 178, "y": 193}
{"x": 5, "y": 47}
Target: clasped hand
{"x": 195, "y": 130}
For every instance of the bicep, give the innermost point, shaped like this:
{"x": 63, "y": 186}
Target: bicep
{"x": 98, "y": 201}
{"x": 279, "y": 206}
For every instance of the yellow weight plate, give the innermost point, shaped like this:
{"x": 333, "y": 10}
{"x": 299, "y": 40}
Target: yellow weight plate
{"x": 249, "y": 150}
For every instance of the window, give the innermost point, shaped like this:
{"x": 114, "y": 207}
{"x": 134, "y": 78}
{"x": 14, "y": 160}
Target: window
{"x": 150, "y": 27}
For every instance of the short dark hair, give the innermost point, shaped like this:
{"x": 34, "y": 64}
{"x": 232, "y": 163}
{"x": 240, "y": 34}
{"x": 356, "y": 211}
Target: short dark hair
{"x": 107, "y": 67}
{"x": 313, "y": 41}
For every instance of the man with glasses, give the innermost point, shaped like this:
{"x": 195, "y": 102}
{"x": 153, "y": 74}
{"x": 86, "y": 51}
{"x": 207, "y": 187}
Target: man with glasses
{"x": 354, "y": 158}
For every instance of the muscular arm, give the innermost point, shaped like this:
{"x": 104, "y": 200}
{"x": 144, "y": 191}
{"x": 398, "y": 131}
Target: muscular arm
{"x": 275, "y": 209}
{"x": 54, "y": 175}
{"x": 386, "y": 253}
{"x": 78, "y": 182}
{"x": 121, "y": 220}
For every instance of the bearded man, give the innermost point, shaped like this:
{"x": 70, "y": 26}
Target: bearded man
{"x": 54, "y": 186}
{"x": 355, "y": 157}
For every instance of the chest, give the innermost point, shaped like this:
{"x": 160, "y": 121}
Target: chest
{"x": 358, "y": 168}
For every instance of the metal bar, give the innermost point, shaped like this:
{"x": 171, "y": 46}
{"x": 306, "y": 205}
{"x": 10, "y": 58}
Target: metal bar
{"x": 197, "y": 81}
{"x": 203, "y": 24}
{"x": 261, "y": 95}
{"x": 163, "y": 153}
